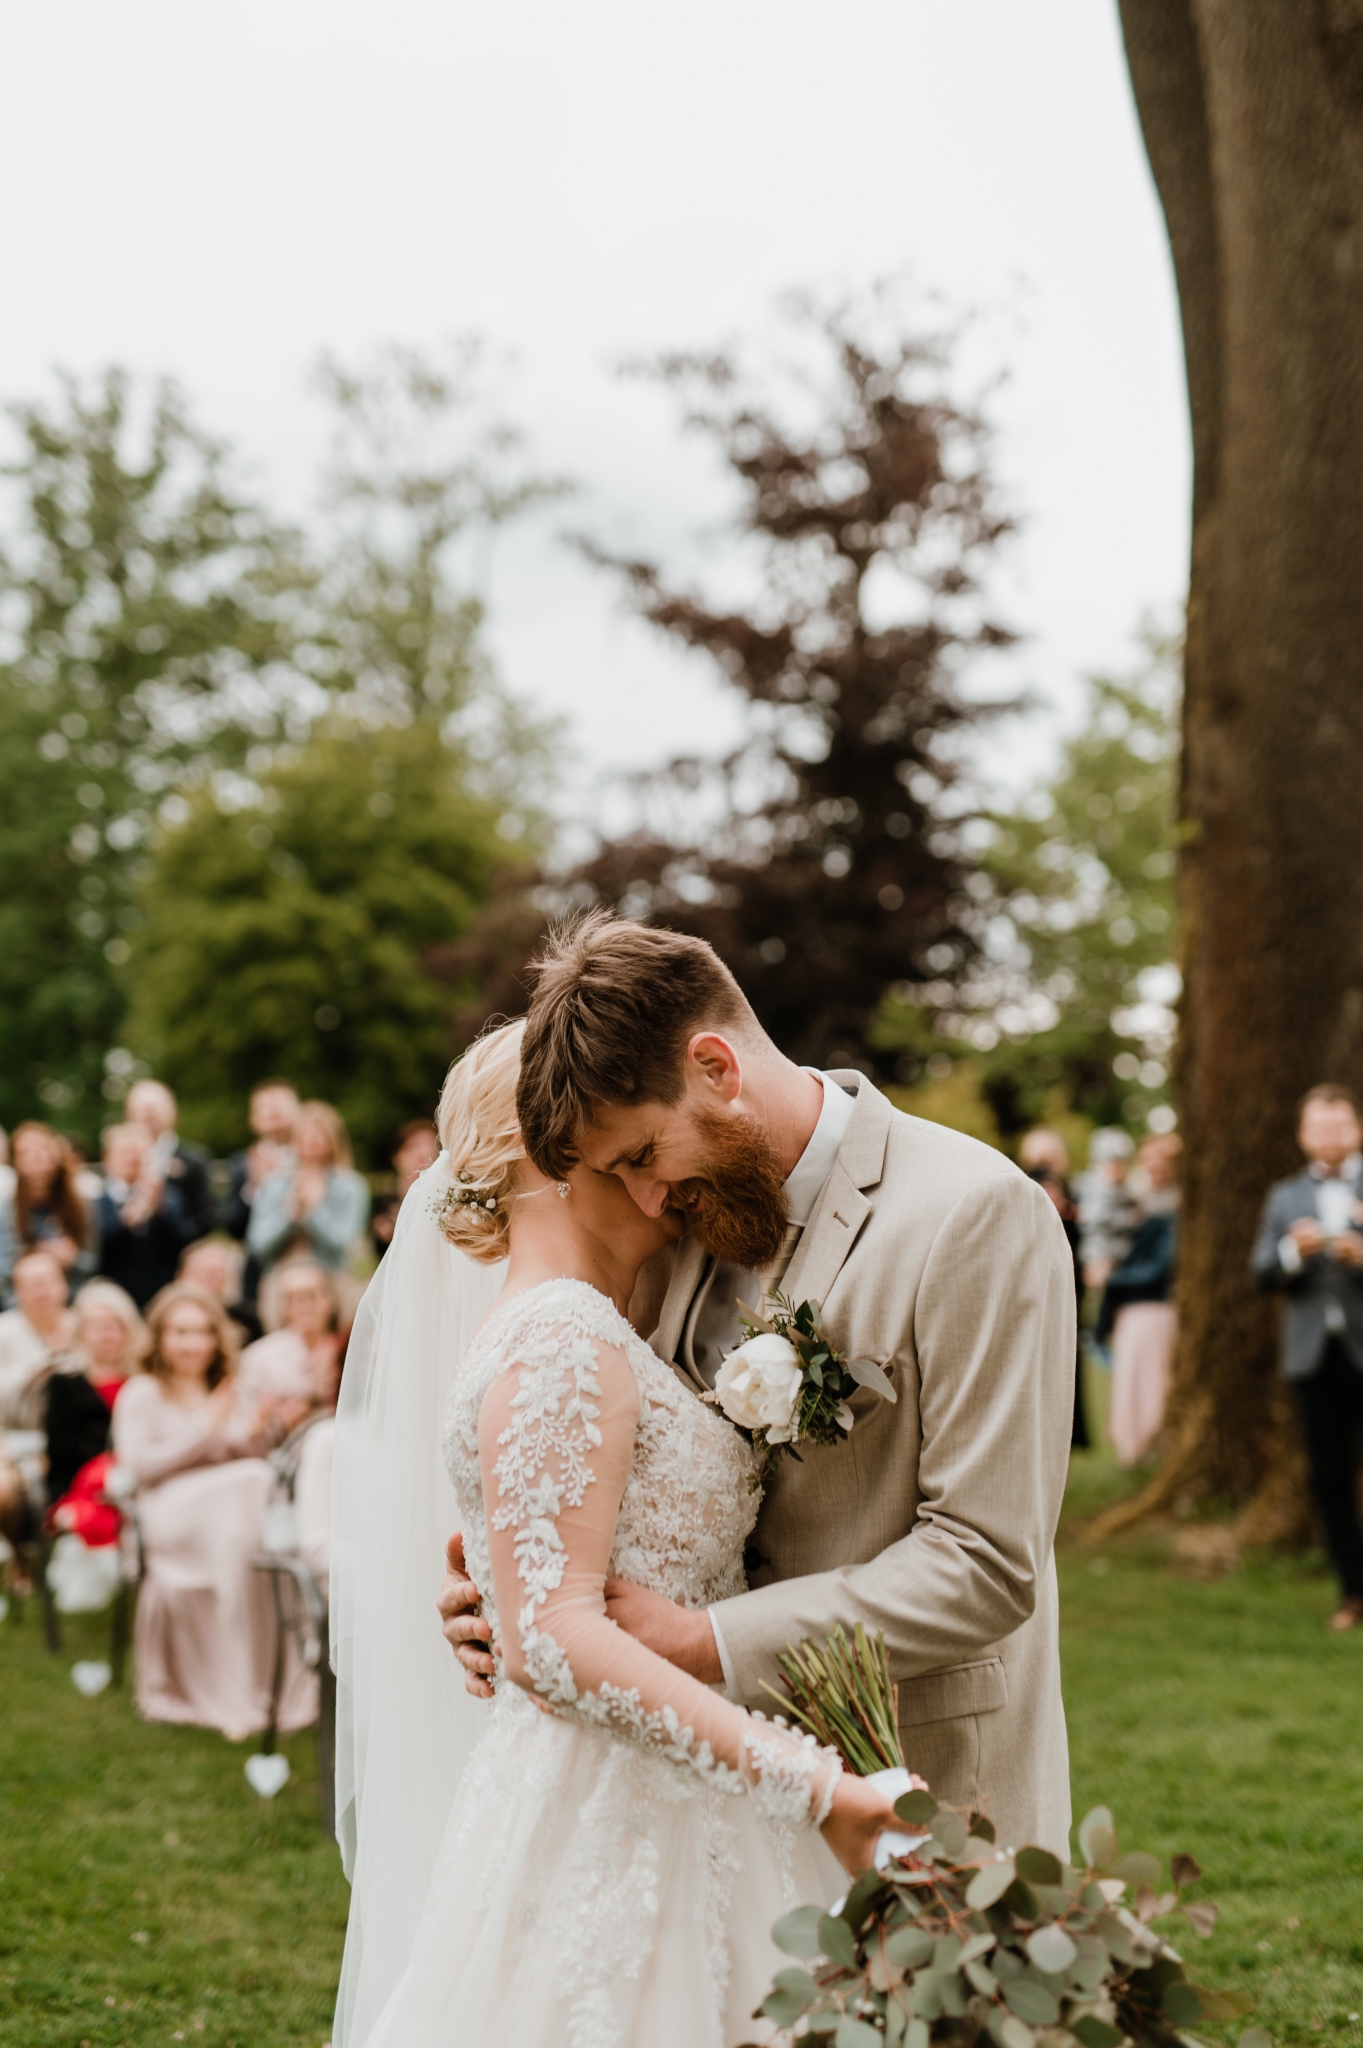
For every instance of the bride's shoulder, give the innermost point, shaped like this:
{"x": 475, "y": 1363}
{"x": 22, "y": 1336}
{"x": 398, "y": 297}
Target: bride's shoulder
{"x": 554, "y": 1310}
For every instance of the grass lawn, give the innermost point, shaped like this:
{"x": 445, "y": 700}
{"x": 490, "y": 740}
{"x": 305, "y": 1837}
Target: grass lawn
{"x": 147, "y": 1896}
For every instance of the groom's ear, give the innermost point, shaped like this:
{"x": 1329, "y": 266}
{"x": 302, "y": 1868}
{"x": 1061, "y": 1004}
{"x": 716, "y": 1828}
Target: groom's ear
{"x": 712, "y": 1065}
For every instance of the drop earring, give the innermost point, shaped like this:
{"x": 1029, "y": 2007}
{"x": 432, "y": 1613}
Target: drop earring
{"x": 563, "y": 1191}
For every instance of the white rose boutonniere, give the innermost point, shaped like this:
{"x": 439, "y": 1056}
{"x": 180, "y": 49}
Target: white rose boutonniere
{"x": 759, "y": 1384}
{"x": 787, "y": 1382}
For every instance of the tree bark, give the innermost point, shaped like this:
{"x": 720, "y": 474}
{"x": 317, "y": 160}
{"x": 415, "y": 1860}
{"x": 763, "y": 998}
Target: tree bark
{"x": 1253, "y": 120}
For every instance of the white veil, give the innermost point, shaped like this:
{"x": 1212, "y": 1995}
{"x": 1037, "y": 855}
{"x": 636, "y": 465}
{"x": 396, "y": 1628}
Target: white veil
{"x": 404, "y": 1724}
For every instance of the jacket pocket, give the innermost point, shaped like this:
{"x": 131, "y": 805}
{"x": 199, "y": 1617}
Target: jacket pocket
{"x": 979, "y": 1688}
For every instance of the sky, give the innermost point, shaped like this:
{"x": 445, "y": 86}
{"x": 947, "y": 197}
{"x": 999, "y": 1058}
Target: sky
{"x": 223, "y": 193}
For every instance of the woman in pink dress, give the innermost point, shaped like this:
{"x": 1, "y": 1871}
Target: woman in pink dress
{"x": 204, "y": 1644}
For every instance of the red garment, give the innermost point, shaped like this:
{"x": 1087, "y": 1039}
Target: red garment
{"x": 108, "y": 1391}
{"x": 84, "y": 1510}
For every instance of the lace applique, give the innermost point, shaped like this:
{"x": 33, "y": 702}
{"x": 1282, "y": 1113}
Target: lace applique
{"x": 792, "y": 1778}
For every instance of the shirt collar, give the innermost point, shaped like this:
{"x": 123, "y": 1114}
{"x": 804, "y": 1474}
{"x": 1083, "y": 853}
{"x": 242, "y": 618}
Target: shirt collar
{"x": 809, "y": 1175}
{"x": 1349, "y": 1170}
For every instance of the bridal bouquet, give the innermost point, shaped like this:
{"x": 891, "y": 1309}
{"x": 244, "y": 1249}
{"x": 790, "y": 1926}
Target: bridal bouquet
{"x": 787, "y": 1383}
{"x": 968, "y": 1944}
{"x": 843, "y": 1694}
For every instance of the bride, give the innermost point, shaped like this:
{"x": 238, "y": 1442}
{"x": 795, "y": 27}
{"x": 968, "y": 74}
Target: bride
{"x": 622, "y": 1837}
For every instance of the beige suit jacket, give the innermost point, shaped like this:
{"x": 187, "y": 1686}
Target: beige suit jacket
{"x": 936, "y": 1520}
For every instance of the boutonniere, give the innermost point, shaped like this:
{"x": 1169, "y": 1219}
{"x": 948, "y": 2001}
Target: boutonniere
{"x": 788, "y": 1383}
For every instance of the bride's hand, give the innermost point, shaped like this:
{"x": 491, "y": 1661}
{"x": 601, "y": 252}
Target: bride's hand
{"x": 470, "y": 1637}
{"x": 858, "y": 1816}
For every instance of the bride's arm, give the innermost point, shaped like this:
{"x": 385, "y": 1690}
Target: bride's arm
{"x": 556, "y": 1439}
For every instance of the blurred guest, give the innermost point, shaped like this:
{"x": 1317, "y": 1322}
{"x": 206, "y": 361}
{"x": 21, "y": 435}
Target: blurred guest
{"x": 1108, "y": 1211}
{"x": 1310, "y": 1248}
{"x": 84, "y": 1567}
{"x": 270, "y": 1114}
{"x": 300, "y": 1362}
{"x": 204, "y": 1644}
{"x": 1044, "y": 1157}
{"x": 151, "y": 1105}
{"x": 320, "y": 1205}
{"x": 34, "y": 1336}
{"x": 415, "y": 1148}
{"x": 45, "y": 1206}
{"x": 1138, "y": 1308}
{"x": 108, "y": 1340}
{"x": 216, "y": 1266}
{"x": 144, "y": 1223}
{"x": 4, "y": 1146}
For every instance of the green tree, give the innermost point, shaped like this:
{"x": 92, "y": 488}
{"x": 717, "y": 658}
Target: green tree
{"x": 139, "y": 601}
{"x": 305, "y": 934}
{"x": 1070, "y": 1006}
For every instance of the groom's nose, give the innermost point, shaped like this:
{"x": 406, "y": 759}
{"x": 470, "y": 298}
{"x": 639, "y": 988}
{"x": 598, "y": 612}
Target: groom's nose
{"x": 647, "y": 1192}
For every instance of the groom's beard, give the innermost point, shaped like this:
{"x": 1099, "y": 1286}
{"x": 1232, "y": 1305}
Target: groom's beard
{"x": 740, "y": 1214}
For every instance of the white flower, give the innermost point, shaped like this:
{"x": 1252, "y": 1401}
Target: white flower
{"x": 759, "y": 1384}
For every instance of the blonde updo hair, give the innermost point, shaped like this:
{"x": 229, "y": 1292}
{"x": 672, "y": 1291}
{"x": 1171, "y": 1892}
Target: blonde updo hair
{"x": 481, "y": 1133}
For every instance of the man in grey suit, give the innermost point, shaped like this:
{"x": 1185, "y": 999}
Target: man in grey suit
{"x": 929, "y": 1253}
{"x": 1310, "y": 1249}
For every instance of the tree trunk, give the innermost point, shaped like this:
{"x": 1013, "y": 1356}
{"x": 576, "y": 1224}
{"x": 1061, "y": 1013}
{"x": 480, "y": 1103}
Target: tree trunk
{"x": 1253, "y": 119}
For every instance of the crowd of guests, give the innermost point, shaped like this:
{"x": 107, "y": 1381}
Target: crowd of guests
{"x": 1121, "y": 1219}
{"x": 171, "y": 1347}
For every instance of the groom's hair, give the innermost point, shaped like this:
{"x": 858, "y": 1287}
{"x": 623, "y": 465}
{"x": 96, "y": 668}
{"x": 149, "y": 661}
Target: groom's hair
{"x": 614, "y": 1006}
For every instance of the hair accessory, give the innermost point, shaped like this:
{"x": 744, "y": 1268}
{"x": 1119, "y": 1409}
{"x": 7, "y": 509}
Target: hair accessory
{"x": 563, "y": 1191}
{"x": 462, "y": 1194}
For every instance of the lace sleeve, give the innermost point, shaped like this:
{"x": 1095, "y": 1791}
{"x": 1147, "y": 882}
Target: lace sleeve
{"x": 556, "y": 1437}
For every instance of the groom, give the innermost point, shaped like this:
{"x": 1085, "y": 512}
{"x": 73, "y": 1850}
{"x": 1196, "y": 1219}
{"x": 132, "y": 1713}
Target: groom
{"x": 931, "y": 1254}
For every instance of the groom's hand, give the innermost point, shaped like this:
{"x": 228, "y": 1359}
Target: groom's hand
{"x": 681, "y": 1634}
{"x": 462, "y": 1624}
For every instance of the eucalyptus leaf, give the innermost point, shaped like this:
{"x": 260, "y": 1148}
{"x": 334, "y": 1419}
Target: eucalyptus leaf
{"x": 1220, "y": 2006}
{"x": 1098, "y": 1839}
{"x": 978, "y": 1945}
{"x": 1180, "y": 2004}
{"x": 909, "y": 1947}
{"x": 1138, "y": 1868}
{"x": 1032, "y": 2002}
{"x": 1095, "y": 2033}
{"x": 896, "y": 2024}
{"x": 946, "y": 1953}
{"x": 1116, "y": 1938}
{"x": 919, "y": 1809}
{"x": 927, "y": 1996}
{"x": 1255, "y": 2037}
{"x": 1015, "y": 2033}
{"x": 797, "y": 1984}
{"x": 1204, "y": 1916}
{"x": 1184, "y": 1870}
{"x": 1051, "y": 1949}
{"x": 782, "y": 2008}
{"x": 950, "y": 1830}
{"x": 856, "y": 2034}
{"x": 918, "y": 2036}
{"x": 981, "y": 1825}
{"x": 953, "y": 1994}
{"x": 837, "y": 1942}
{"x": 1021, "y": 1899}
{"x": 867, "y": 1373}
{"x": 989, "y": 1884}
{"x": 982, "y": 1977}
{"x": 1038, "y": 1866}
{"x": 1091, "y": 1964}
{"x": 798, "y": 1932}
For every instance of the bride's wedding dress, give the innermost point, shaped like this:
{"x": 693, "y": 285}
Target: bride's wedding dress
{"x": 611, "y": 1870}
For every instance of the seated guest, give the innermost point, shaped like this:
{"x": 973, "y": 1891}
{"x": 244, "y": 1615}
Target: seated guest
{"x": 144, "y": 1224}
{"x": 152, "y": 1107}
{"x": 34, "y": 1336}
{"x": 204, "y": 1645}
{"x": 301, "y": 1359}
{"x": 215, "y": 1264}
{"x": 1310, "y": 1248}
{"x": 108, "y": 1341}
{"x": 44, "y": 1206}
{"x": 320, "y": 1205}
{"x": 414, "y": 1149}
{"x": 1138, "y": 1307}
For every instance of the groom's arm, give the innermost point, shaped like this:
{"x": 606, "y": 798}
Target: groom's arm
{"x": 993, "y": 1331}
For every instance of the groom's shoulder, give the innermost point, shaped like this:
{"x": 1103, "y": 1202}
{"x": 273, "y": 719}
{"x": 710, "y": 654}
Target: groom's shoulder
{"x": 918, "y": 1146}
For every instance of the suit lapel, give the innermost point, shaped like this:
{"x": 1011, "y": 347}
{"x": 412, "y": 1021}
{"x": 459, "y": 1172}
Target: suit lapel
{"x": 686, "y": 1271}
{"x": 843, "y": 1207}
